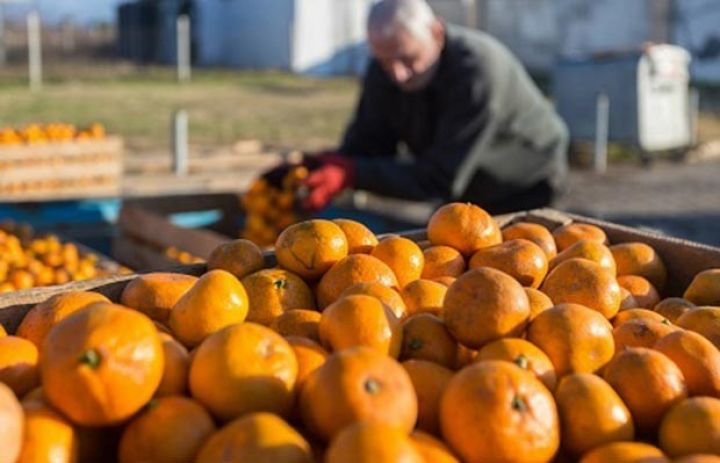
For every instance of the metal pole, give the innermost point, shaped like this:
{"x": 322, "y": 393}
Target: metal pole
{"x": 183, "y": 48}
{"x": 34, "y": 51}
{"x": 180, "y": 142}
{"x": 602, "y": 125}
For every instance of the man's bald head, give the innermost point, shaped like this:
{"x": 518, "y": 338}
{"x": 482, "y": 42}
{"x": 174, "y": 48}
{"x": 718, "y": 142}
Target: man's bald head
{"x": 406, "y": 39}
{"x": 414, "y": 16}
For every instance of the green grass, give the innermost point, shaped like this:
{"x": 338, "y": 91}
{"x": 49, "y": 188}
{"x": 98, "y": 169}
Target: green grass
{"x": 223, "y": 106}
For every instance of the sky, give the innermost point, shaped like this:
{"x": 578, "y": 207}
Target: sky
{"x": 52, "y": 11}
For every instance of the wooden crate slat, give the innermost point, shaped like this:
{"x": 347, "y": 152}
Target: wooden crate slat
{"x": 159, "y": 232}
{"x": 68, "y": 149}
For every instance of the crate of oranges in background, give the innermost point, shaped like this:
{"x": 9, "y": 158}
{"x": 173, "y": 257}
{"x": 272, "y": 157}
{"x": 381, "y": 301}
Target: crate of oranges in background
{"x": 533, "y": 337}
{"x": 28, "y": 260}
{"x": 57, "y": 161}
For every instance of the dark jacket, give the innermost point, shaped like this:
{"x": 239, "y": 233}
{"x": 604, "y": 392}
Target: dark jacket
{"x": 480, "y": 132}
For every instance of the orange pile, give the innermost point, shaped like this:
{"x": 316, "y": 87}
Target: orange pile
{"x": 268, "y": 209}
{"x": 38, "y": 134}
{"x": 183, "y": 257}
{"x": 27, "y": 261}
{"x": 350, "y": 350}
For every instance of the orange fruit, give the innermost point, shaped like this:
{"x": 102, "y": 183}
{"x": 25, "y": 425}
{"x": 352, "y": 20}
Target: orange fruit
{"x": 569, "y": 234}
{"x": 2, "y": 331}
{"x": 432, "y": 449}
{"x": 425, "y": 337}
{"x": 464, "y": 357}
{"x": 590, "y": 250}
{"x": 577, "y": 339}
{"x": 256, "y": 438}
{"x": 309, "y": 354}
{"x": 523, "y": 354}
{"x": 303, "y": 323}
{"x": 640, "y": 332}
{"x": 380, "y": 329}
{"x": 580, "y": 281}
{"x": 239, "y": 257}
{"x": 215, "y": 301}
{"x": 176, "y": 366}
{"x": 21, "y": 279}
{"x": 11, "y": 425}
{"x": 698, "y": 458}
{"x": 47, "y": 436}
{"x": 692, "y": 426}
{"x": 386, "y": 294}
{"x": 424, "y": 296}
{"x": 539, "y": 302}
{"x": 37, "y": 322}
{"x": 648, "y": 382}
{"x": 442, "y": 261}
{"x": 359, "y": 238}
{"x": 311, "y": 247}
{"x": 445, "y": 281}
{"x": 591, "y": 413}
{"x": 372, "y": 443}
{"x": 272, "y": 292}
{"x": 673, "y": 307}
{"x": 521, "y": 259}
{"x": 485, "y": 304}
{"x": 625, "y": 452}
{"x": 18, "y": 364}
{"x": 357, "y": 384}
{"x": 704, "y": 289}
{"x": 643, "y": 291}
{"x": 403, "y": 256}
{"x": 642, "y": 260}
{"x": 429, "y": 380}
{"x": 633, "y": 314}
{"x": 496, "y": 411}
{"x": 259, "y": 375}
{"x": 100, "y": 365}
{"x": 703, "y": 320}
{"x": 697, "y": 358}
{"x": 627, "y": 300}
{"x": 168, "y": 430}
{"x": 355, "y": 268}
{"x": 532, "y": 232}
{"x": 463, "y": 226}
{"x": 155, "y": 294}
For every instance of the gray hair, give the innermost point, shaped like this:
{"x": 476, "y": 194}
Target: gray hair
{"x": 415, "y": 16}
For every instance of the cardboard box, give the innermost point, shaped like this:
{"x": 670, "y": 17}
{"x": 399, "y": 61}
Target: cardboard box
{"x": 684, "y": 259}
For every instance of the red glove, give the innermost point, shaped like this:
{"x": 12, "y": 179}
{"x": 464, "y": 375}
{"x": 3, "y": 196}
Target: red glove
{"x": 334, "y": 174}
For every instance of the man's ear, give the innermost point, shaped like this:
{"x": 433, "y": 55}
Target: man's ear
{"x": 438, "y": 30}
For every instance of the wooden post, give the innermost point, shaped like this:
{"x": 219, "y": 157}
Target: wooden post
{"x": 3, "y": 53}
{"x": 602, "y": 126}
{"x": 34, "y": 51}
{"x": 471, "y": 13}
{"x": 180, "y": 143}
{"x": 183, "y": 49}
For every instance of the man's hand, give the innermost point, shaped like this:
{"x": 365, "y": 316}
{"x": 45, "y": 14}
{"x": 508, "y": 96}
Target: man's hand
{"x": 333, "y": 174}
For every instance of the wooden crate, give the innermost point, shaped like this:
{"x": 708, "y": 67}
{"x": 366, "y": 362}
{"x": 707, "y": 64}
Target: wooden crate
{"x": 68, "y": 170}
{"x": 145, "y": 230}
{"x": 683, "y": 258}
